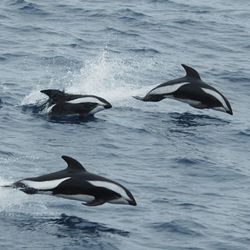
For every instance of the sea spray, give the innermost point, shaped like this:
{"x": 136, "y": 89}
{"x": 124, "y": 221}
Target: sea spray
{"x": 107, "y": 75}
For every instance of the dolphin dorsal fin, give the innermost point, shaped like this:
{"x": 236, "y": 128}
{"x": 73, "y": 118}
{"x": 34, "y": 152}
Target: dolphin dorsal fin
{"x": 190, "y": 72}
{"x": 53, "y": 93}
{"x": 73, "y": 164}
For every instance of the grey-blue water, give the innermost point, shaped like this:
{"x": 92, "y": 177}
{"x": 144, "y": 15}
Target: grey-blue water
{"x": 188, "y": 169}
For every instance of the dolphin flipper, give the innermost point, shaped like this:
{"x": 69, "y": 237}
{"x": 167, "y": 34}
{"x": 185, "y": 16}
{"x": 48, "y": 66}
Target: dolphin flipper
{"x": 95, "y": 202}
{"x": 199, "y": 106}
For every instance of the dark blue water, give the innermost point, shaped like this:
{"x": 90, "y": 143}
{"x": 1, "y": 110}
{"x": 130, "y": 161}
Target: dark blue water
{"x": 188, "y": 169}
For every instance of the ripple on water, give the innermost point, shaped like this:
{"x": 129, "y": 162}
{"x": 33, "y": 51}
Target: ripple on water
{"x": 145, "y": 51}
{"x": 88, "y": 227}
{"x": 180, "y": 228}
{"x": 244, "y": 133}
{"x": 193, "y": 120}
{"x": 64, "y": 232}
{"x": 33, "y": 9}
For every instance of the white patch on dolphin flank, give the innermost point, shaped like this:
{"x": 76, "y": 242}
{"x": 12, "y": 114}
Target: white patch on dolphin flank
{"x": 188, "y": 101}
{"x": 219, "y": 109}
{"x": 96, "y": 109}
{"x": 111, "y": 186}
{"x": 44, "y": 185}
{"x": 87, "y": 99}
{"x": 168, "y": 89}
{"x": 217, "y": 96}
{"x": 50, "y": 108}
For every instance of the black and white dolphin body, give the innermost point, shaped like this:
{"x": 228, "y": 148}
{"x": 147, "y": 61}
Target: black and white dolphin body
{"x": 76, "y": 183}
{"x": 62, "y": 104}
{"x": 189, "y": 89}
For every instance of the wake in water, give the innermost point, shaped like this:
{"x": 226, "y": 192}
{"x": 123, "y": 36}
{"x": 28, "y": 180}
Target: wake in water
{"x": 13, "y": 201}
{"x": 6, "y": 195}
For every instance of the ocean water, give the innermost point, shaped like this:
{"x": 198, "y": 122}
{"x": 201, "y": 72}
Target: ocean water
{"x": 188, "y": 169}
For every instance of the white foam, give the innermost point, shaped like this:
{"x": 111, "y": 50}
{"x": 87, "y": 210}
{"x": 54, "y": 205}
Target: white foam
{"x": 4, "y": 182}
{"x": 34, "y": 97}
{"x": 106, "y": 76}
{"x": 13, "y": 201}
{"x": 9, "y": 197}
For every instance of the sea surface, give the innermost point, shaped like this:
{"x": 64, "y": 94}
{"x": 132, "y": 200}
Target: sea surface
{"x": 188, "y": 169}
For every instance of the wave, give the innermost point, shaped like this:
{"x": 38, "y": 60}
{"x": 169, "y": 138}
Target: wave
{"x": 29, "y": 8}
{"x": 146, "y": 50}
{"x": 34, "y": 9}
{"x": 67, "y": 224}
{"x": 121, "y": 32}
{"x": 187, "y": 119}
{"x": 59, "y": 60}
{"x": 60, "y": 231}
{"x": 245, "y": 133}
{"x": 16, "y": 2}
{"x": 188, "y": 161}
{"x": 127, "y": 12}
{"x": 182, "y": 227}
{"x": 3, "y": 17}
{"x": 86, "y": 226}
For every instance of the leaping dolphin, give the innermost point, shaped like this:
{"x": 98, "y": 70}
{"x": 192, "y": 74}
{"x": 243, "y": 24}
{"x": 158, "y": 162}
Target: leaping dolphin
{"x": 76, "y": 183}
{"x": 62, "y": 104}
{"x": 189, "y": 89}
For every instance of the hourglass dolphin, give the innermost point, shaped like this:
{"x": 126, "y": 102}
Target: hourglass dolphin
{"x": 62, "y": 104}
{"x": 191, "y": 90}
{"x": 76, "y": 183}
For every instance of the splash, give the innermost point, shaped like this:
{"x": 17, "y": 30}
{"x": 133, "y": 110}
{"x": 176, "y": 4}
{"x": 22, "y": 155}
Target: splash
{"x": 5, "y": 193}
{"x": 4, "y": 182}
{"x": 14, "y": 202}
{"x": 106, "y": 75}
{"x": 35, "y": 97}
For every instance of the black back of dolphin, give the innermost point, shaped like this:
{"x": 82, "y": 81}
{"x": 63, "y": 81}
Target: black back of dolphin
{"x": 57, "y": 96}
{"x": 76, "y": 183}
